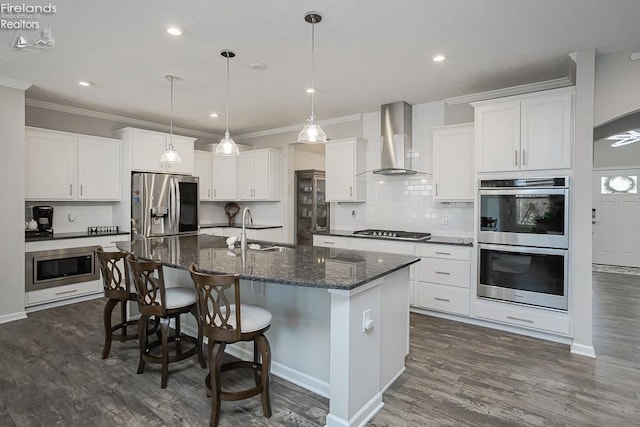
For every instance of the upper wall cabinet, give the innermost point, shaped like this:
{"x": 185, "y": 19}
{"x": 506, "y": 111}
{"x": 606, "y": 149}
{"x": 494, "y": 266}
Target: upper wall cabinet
{"x": 453, "y": 172}
{"x": 202, "y": 167}
{"x": 260, "y": 176}
{"x": 528, "y": 132}
{"x": 67, "y": 166}
{"x": 344, "y": 160}
{"x": 145, "y": 147}
{"x": 224, "y": 175}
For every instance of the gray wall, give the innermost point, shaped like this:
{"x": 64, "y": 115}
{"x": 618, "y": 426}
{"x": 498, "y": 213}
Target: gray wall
{"x": 12, "y": 206}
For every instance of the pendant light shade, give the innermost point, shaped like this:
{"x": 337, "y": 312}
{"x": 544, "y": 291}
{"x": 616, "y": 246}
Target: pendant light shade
{"x": 227, "y": 147}
{"x": 171, "y": 155}
{"x": 312, "y": 133}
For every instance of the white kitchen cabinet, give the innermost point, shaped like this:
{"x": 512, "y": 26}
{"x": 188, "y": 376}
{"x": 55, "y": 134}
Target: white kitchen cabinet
{"x": 145, "y": 148}
{"x": 453, "y": 172}
{"x": 526, "y": 132}
{"x": 67, "y": 166}
{"x": 330, "y": 241}
{"x": 260, "y": 174}
{"x": 443, "y": 278}
{"x": 522, "y": 316}
{"x": 344, "y": 160}
{"x": 224, "y": 178}
{"x": 202, "y": 168}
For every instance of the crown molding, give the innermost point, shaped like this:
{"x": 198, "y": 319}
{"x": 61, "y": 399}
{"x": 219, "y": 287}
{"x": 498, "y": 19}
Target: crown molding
{"x": 14, "y": 84}
{"x": 116, "y": 118}
{"x": 296, "y": 128}
{"x": 510, "y": 91}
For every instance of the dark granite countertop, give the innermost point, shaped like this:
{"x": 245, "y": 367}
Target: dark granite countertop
{"x": 442, "y": 240}
{"x": 238, "y": 225}
{"x": 308, "y": 266}
{"x": 71, "y": 235}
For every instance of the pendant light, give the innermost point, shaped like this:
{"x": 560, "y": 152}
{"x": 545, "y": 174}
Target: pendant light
{"x": 171, "y": 155}
{"x": 312, "y": 133}
{"x": 227, "y": 147}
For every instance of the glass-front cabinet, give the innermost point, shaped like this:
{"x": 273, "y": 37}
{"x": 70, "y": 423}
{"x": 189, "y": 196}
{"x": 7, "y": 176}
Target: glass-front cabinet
{"x": 312, "y": 210}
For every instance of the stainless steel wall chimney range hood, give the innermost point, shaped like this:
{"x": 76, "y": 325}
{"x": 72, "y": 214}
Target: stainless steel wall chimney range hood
{"x": 396, "y": 139}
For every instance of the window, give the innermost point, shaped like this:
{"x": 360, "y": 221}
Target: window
{"x": 619, "y": 184}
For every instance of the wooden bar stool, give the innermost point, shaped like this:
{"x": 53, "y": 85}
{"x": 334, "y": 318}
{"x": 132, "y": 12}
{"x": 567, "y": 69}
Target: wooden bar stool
{"x": 225, "y": 322}
{"x": 154, "y": 299}
{"x": 117, "y": 288}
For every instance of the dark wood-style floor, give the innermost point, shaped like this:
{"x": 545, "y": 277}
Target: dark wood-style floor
{"x": 51, "y": 374}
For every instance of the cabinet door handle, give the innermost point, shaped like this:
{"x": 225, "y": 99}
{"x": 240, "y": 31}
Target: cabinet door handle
{"x": 516, "y": 157}
{"x": 71, "y": 189}
{"x": 436, "y": 188}
{"x": 81, "y": 189}
{"x": 524, "y": 157}
{"x": 442, "y": 299}
{"x": 208, "y": 193}
{"x": 214, "y": 193}
{"x": 350, "y": 191}
{"x": 329, "y": 243}
{"x": 443, "y": 253}
{"x": 443, "y": 272}
{"x": 66, "y": 292}
{"x": 519, "y": 319}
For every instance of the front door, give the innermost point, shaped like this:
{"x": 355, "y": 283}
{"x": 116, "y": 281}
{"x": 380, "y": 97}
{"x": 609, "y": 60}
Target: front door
{"x": 616, "y": 217}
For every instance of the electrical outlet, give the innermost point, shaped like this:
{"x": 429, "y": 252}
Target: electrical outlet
{"x": 444, "y": 220}
{"x": 367, "y": 322}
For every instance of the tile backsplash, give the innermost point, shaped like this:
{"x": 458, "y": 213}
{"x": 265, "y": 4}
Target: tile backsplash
{"x": 405, "y": 203}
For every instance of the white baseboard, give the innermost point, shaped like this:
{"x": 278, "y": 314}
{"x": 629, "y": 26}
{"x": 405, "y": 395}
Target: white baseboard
{"x": 361, "y": 417}
{"x": 6, "y": 318}
{"x": 583, "y": 350}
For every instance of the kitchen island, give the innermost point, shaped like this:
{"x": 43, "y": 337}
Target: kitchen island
{"x": 340, "y": 322}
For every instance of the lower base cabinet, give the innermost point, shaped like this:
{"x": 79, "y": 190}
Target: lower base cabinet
{"x": 443, "y": 279}
{"x": 445, "y": 298}
{"x": 522, "y": 316}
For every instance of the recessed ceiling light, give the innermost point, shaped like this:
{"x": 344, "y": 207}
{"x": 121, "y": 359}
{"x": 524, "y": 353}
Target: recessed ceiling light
{"x": 85, "y": 83}
{"x": 311, "y": 90}
{"x": 174, "y": 30}
{"x": 214, "y": 115}
{"x": 258, "y": 66}
{"x": 439, "y": 57}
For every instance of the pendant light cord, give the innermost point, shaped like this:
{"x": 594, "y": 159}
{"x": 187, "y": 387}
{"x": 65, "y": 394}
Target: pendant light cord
{"x": 227, "y": 93}
{"x": 171, "y": 117}
{"x": 313, "y": 62}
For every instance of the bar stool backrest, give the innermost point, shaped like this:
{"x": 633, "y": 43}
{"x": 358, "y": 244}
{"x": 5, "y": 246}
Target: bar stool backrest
{"x": 148, "y": 278}
{"x": 218, "y": 301}
{"x": 116, "y": 283}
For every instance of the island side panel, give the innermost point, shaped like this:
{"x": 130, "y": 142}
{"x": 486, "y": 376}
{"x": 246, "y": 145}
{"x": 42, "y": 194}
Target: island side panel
{"x": 394, "y": 326}
{"x": 355, "y": 356}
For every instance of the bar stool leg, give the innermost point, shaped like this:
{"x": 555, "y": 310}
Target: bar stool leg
{"x": 265, "y": 352}
{"x": 108, "y": 334}
{"x": 123, "y": 317}
{"x": 165, "y": 351}
{"x": 201, "y": 359}
{"x": 215, "y": 364}
{"x": 142, "y": 339}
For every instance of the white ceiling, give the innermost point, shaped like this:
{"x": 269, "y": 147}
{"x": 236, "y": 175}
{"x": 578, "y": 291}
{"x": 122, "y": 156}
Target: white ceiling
{"x": 368, "y": 52}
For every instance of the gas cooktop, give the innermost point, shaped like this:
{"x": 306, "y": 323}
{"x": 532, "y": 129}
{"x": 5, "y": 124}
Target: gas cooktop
{"x": 393, "y": 235}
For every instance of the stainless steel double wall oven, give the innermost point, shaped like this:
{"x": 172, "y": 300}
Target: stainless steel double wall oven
{"x": 523, "y": 241}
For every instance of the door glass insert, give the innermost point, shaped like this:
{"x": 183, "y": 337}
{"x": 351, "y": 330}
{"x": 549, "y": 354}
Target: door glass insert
{"x": 620, "y": 184}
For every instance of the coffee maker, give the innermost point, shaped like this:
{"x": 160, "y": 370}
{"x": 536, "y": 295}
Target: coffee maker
{"x": 43, "y": 215}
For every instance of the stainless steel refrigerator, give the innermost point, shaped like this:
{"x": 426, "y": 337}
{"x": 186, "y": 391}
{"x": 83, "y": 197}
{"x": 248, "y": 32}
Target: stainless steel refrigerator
{"x": 164, "y": 204}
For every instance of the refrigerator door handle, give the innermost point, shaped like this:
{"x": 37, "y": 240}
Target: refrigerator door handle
{"x": 177, "y": 205}
{"x": 172, "y": 205}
